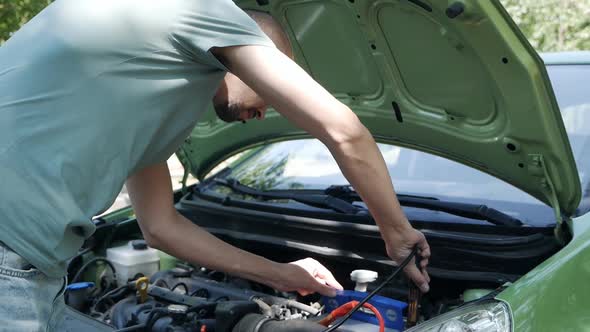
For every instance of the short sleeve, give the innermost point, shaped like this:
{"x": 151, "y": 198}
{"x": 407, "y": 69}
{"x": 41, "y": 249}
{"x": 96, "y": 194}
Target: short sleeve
{"x": 204, "y": 24}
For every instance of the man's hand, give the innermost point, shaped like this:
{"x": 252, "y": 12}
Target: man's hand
{"x": 399, "y": 245}
{"x": 306, "y": 276}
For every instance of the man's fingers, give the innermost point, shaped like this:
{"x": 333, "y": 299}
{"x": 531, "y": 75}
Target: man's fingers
{"x": 303, "y": 292}
{"x": 326, "y": 281}
{"x": 324, "y": 289}
{"x": 425, "y": 274}
{"x": 319, "y": 286}
{"x": 424, "y": 248}
{"x": 424, "y": 252}
{"x": 319, "y": 279}
{"x": 332, "y": 283}
{"x": 416, "y": 276}
{"x": 327, "y": 277}
{"x": 423, "y": 263}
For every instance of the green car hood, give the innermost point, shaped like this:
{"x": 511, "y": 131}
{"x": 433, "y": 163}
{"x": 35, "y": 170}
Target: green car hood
{"x": 453, "y": 78}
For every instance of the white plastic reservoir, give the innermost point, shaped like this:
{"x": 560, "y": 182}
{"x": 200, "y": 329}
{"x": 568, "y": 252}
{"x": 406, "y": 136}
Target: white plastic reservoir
{"x": 132, "y": 259}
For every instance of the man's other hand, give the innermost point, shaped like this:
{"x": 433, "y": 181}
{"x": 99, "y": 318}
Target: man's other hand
{"x": 399, "y": 245}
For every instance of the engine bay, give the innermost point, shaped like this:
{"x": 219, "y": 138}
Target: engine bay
{"x": 132, "y": 295}
{"x": 117, "y": 280}
{"x": 129, "y": 291}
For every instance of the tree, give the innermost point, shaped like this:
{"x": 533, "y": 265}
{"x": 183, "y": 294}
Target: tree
{"x": 14, "y": 13}
{"x": 553, "y": 25}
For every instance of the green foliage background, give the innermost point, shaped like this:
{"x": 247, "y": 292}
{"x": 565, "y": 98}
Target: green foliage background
{"x": 553, "y": 25}
{"x": 550, "y": 25}
{"x": 14, "y": 13}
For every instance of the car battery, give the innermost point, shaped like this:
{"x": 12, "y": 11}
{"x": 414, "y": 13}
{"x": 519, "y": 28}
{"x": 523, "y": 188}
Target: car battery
{"x": 391, "y": 310}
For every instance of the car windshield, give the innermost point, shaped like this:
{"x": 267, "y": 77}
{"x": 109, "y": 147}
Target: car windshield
{"x": 307, "y": 164}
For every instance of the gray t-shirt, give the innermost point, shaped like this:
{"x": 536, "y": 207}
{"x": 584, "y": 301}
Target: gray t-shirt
{"x": 92, "y": 91}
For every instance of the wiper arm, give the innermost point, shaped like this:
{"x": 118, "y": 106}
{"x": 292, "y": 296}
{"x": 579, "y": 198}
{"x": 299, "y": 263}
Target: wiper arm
{"x": 472, "y": 211}
{"x": 320, "y": 200}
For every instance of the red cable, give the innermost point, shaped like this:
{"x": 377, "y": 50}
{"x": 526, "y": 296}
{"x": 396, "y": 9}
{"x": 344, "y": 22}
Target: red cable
{"x": 345, "y": 308}
{"x": 377, "y": 314}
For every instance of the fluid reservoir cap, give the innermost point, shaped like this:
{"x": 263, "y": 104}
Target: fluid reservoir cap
{"x": 363, "y": 276}
{"x": 362, "y": 279}
{"x": 139, "y": 245}
{"x": 79, "y": 286}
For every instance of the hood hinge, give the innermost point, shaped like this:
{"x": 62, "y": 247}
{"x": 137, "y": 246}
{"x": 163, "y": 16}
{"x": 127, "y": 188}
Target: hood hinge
{"x": 537, "y": 166}
{"x": 186, "y": 164}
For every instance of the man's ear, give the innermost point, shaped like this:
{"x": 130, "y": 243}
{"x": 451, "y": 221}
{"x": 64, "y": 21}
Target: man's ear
{"x": 221, "y": 95}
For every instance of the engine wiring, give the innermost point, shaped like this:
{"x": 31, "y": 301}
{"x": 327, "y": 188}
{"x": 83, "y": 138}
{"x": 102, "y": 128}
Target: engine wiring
{"x": 375, "y": 291}
{"x": 93, "y": 261}
{"x": 347, "y": 307}
{"x": 119, "y": 291}
{"x": 183, "y": 285}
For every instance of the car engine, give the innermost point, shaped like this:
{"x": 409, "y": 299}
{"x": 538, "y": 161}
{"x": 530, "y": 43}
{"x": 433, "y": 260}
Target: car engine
{"x": 184, "y": 299}
{"x": 132, "y": 295}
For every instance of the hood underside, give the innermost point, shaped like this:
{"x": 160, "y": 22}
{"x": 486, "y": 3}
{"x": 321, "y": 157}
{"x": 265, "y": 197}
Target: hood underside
{"x": 452, "y": 78}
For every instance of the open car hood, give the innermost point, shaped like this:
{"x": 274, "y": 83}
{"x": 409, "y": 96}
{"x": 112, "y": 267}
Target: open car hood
{"x": 452, "y": 78}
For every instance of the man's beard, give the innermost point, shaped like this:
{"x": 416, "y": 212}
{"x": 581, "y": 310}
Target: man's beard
{"x": 227, "y": 112}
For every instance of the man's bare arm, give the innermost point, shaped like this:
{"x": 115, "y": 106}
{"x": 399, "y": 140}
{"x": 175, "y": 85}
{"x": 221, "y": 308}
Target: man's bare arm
{"x": 164, "y": 228}
{"x": 293, "y": 93}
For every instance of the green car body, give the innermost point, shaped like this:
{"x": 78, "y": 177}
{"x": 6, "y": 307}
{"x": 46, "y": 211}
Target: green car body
{"x": 555, "y": 296}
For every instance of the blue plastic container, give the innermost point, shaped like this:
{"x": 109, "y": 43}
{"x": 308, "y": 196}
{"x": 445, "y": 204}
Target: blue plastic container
{"x": 391, "y": 310}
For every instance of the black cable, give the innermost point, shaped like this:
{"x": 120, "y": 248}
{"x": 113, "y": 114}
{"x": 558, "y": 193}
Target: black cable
{"x": 375, "y": 291}
{"x": 78, "y": 255}
{"x": 110, "y": 293}
{"x": 154, "y": 316}
{"x": 181, "y": 284}
{"x": 161, "y": 282}
{"x": 90, "y": 262}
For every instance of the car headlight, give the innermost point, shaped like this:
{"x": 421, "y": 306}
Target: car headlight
{"x": 488, "y": 316}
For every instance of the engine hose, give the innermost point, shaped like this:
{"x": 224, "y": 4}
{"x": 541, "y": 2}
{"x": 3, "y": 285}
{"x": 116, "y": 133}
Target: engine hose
{"x": 304, "y": 307}
{"x": 265, "y": 308}
{"x": 260, "y": 323}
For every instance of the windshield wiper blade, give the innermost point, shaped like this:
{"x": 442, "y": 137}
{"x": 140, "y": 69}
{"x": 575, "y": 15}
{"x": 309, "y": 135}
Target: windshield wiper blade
{"x": 320, "y": 200}
{"x": 340, "y": 198}
{"x": 347, "y": 193}
{"x": 467, "y": 210}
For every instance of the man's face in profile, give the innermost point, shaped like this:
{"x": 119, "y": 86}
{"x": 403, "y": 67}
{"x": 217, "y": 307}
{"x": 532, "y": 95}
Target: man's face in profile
{"x": 235, "y": 101}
